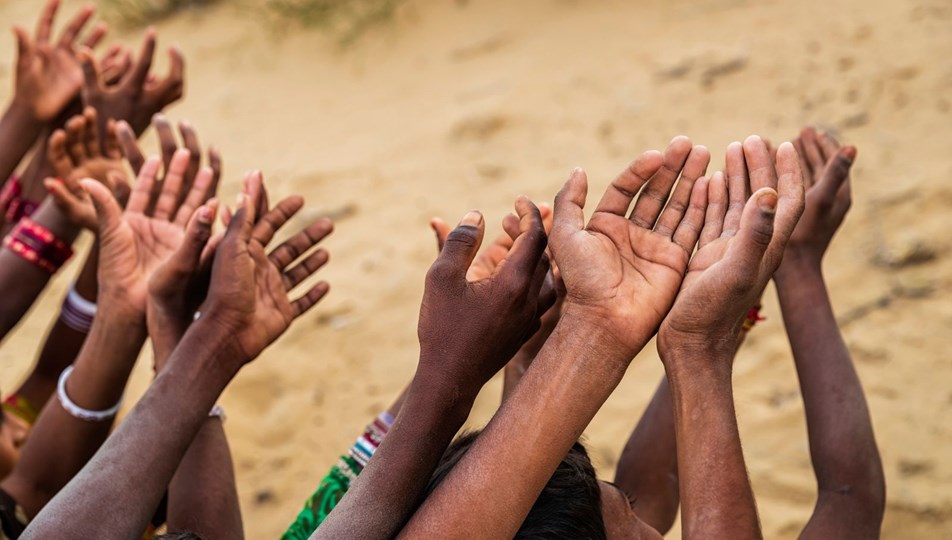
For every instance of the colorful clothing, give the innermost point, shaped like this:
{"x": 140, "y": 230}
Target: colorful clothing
{"x": 20, "y": 407}
{"x": 333, "y": 487}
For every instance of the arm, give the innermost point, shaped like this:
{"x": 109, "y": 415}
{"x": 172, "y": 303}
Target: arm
{"x": 468, "y": 330}
{"x": 739, "y": 248}
{"x": 247, "y": 309}
{"x": 620, "y": 273}
{"x": 843, "y": 448}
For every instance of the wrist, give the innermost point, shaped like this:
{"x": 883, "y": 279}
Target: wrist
{"x": 798, "y": 261}
{"x": 21, "y": 114}
{"x": 587, "y": 326}
{"x": 444, "y": 397}
{"x": 697, "y": 367}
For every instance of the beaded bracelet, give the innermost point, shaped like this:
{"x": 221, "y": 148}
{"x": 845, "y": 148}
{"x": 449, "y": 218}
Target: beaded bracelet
{"x": 37, "y": 245}
{"x": 365, "y": 446}
{"x": 77, "y": 312}
{"x": 12, "y": 204}
{"x": 75, "y": 410}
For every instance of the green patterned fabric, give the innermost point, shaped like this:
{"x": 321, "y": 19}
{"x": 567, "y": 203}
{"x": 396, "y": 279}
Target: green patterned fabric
{"x": 328, "y": 494}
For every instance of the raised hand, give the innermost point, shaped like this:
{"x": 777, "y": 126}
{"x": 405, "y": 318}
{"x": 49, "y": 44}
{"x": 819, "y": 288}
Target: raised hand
{"x": 48, "y": 74}
{"x": 137, "y": 95}
{"x": 485, "y": 318}
{"x": 75, "y": 153}
{"x": 249, "y": 288}
{"x": 827, "y": 184}
{"x": 740, "y": 246}
{"x": 623, "y": 269}
{"x": 168, "y": 146}
{"x": 135, "y": 243}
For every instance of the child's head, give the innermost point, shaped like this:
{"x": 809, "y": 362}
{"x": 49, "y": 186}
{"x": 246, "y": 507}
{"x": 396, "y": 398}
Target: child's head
{"x": 13, "y": 432}
{"x": 569, "y": 505}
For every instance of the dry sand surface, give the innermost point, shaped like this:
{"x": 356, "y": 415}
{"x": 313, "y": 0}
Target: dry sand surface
{"x": 460, "y": 105}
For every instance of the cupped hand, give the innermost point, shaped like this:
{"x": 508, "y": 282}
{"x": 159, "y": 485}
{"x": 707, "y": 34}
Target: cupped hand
{"x": 48, "y": 74}
{"x": 472, "y": 321}
{"x": 740, "y": 246}
{"x": 134, "y": 243}
{"x": 248, "y": 294}
{"x": 827, "y": 184}
{"x": 75, "y": 153}
{"x": 137, "y": 96}
{"x": 624, "y": 269}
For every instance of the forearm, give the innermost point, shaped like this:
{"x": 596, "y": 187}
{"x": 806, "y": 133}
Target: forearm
{"x": 21, "y": 281}
{"x": 842, "y": 445}
{"x": 716, "y": 498}
{"x": 61, "y": 444}
{"x": 383, "y": 497}
{"x": 143, "y": 454}
{"x": 648, "y": 467}
{"x": 19, "y": 129}
{"x": 202, "y": 496}
{"x": 527, "y": 438}
{"x": 63, "y": 342}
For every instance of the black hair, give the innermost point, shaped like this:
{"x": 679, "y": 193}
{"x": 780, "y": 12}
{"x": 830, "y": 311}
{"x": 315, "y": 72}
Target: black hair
{"x": 570, "y": 505}
{"x": 184, "y": 535}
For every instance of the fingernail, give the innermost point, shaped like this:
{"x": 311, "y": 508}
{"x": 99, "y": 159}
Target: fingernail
{"x": 850, "y": 153}
{"x": 472, "y": 218}
{"x": 205, "y": 215}
{"x": 768, "y": 202}
{"x": 241, "y": 201}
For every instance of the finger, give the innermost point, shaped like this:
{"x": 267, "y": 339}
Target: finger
{"x": 301, "y": 271}
{"x": 197, "y": 195}
{"x": 791, "y": 197}
{"x": 130, "y": 148}
{"x": 172, "y": 86}
{"x": 760, "y": 168}
{"x": 198, "y": 230}
{"x": 214, "y": 160}
{"x": 623, "y": 189}
{"x": 167, "y": 144}
{"x": 165, "y": 205}
{"x": 142, "y": 190}
{"x": 540, "y": 282}
{"x": 75, "y": 26}
{"x": 756, "y": 233}
{"x": 737, "y": 184}
{"x": 812, "y": 148}
{"x": 96, "y": 35}
{"x": 75, "y": 139}
{"x": 117, "y": 68}
{"x": 190, "y": 141}
{"x": 107, "y": 208}
{"x": 44, "y": 26}
{"x": 828, "y": 145}
{"x": 520, "y": 264}
{"x": 653, "y": 198}
{"x": 240, "y": 227}
{"x": 57, "y": 155}
{"x": 717, "y": 202}
{"x": 694, "y": 167}
{"x": 569, "y": 216}
{"x": 460, "y": 249}
{"x": 309, "y": 300}
{"x": 120, "y": 187}
{"x": 24, "y": 49}
{"x": 545, "y": 210}
{"x": 93, "y": 147}
{"x": 837, "y": 173}
{"x": 140, "y": 69}
{"x": 689, "y": 230}
{"x": 510, "y": 226}
{"x": 253, "y": 185}
{"x": 111, "y": 147}
{"x": 292, "y": 248}
{"x": 804, "y": 165}
{"x": 441, "y": 229}
{"x": 275, "y": 218}
{"x": 62, "y": 196}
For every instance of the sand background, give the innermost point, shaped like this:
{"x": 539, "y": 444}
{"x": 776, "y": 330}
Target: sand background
{"x": 459, "y": 105}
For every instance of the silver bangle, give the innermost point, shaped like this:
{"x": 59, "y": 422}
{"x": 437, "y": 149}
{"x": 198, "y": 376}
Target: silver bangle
{"x": 75, "y": 410}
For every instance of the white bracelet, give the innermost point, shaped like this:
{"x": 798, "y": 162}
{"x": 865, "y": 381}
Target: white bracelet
{"x": 77, "y": 312}
{"x": 75, "y": 410}
{"x": 219, "y": 412}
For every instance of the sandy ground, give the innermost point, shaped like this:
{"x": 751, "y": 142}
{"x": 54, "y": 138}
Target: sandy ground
{"x": 459, "y": 105}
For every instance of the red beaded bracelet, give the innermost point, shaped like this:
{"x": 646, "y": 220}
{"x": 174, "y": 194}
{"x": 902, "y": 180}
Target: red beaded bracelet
{"x": 12, "y": 204}
{"x": 37, "y": 245}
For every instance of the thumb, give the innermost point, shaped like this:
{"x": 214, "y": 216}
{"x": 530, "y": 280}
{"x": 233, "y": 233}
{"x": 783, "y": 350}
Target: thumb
{"x": 107, "y": 208}
{"x": 461, "y": 246}
{"x": 199, "y": 229}
{"x": 568, "y": 214}
{"x": 242, "y": 222}
{"x": 23, "y": 46}
{"x": 756, "y": 228}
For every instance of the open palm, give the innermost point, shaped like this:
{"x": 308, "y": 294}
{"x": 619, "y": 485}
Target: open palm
{"x": 628, "y": 268}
